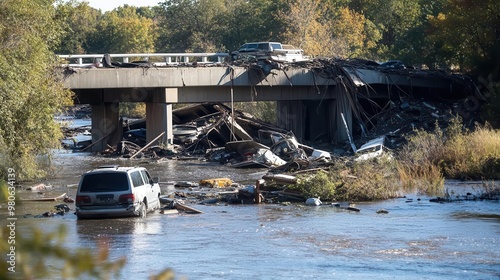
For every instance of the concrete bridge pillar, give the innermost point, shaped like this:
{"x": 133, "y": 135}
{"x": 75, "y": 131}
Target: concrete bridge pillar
{"x": 159, "y": 114}
{"x": 106, "y": 128}
{"x": 158, "y": 120}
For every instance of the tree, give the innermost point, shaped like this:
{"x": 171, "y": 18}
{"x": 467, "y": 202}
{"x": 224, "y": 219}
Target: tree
{"x": 30, "y": 90}
{"x": 467, "y": 32}
{"x": 216, "y": 25}
{"x": 393, "y": 17}
{"x": 79, "y": 22}
{"x": 192, "y": 26}
{"x": 306, "y": 29}
{"x": 123, "y": 30}
{"x": 328, "y": 28}
{"x": 350, "y": 34}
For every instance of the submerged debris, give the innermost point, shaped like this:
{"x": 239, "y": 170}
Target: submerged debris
{"x": 313, "y": 201}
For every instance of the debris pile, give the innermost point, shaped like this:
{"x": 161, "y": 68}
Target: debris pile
{"x": 214, "y": 132}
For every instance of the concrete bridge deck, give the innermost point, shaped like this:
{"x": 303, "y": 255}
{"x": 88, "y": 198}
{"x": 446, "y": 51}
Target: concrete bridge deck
{"x": 194, "y": 85}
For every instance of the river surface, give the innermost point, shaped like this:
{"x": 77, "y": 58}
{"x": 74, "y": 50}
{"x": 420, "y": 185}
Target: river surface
{"x": 417, "y": 239}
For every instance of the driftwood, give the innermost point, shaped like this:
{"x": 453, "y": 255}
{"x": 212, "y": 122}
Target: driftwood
{"x": 280, "y": 178}
{"x": 149, "y": 144}
{"x": 169, "y": 211}
{"x": 99, "y": 140}
{"x": 61, "y": 197}
{"x": 39, "y": 187}
{"x": 187, "y": 209}
{"x": 174, "y": 203}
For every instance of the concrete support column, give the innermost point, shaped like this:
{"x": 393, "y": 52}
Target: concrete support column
{"x": 105, "y": 125}
{"x": 158, "y": 120}
{"x": 159, "y": 114}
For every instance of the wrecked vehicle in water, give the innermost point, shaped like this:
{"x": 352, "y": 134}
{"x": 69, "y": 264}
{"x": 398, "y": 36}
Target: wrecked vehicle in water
{"x": 112, "y": 191}
{"x": 374, "y": 148}
{"x": 185, "y": 133}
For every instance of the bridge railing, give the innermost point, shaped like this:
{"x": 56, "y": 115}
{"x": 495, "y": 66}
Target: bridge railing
{"x": 157, "y": 59}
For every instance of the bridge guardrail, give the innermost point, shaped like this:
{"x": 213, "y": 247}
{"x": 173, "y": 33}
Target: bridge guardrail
{"x": 89, "y": 60}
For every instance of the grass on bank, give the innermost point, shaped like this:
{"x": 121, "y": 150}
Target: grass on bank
{"x": 349, "y": 180}
{"x": 420, "y": 166}
{"x": 454, "y": 153}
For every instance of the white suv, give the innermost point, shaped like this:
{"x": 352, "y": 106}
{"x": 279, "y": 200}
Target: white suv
{"x": 112, "y": 191}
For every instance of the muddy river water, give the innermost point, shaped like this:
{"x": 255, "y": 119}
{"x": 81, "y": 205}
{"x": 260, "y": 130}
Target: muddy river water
{"x": 416, "y": 240}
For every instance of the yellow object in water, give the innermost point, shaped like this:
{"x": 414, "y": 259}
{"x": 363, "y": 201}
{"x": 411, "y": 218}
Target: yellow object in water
{"x": 216, "y": 182}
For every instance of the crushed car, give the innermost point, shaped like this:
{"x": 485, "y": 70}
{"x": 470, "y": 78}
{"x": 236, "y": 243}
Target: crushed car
{"x": 374, "y": 148}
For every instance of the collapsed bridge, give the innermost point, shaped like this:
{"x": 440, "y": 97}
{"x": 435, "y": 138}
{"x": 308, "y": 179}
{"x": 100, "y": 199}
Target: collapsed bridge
{"x": 310, "y": 95}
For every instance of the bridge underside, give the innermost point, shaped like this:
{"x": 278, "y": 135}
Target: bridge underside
{"x": 310, "y": 113}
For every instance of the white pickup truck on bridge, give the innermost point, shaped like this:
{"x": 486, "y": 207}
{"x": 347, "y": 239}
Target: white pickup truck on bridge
{"x": 269, "y": 51}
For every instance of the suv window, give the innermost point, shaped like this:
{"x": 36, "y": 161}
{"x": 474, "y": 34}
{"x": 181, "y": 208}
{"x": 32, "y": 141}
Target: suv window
{"x": 263, "y": 46}
{"x": 146, "y": 176}
{"x": 136, "y": 179}
{"x": 104, "y": 182}
{"x": 276, "y": 46}
{"x": 250, "y": 46}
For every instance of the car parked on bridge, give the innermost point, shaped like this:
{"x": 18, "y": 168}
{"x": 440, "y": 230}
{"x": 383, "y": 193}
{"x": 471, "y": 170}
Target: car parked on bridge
{"x": 269, "y": 51}
{"x": 112, "y": 191}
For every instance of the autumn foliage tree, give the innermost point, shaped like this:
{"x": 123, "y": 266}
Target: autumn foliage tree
{"x": 123, "y": 30}
{"x": 306, "y": 28}
{"x": 78, "y": 21}
{"x": 30, "y": 89}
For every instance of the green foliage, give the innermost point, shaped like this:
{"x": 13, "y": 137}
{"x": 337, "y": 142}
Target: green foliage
{"x": 373, "y": 179}
{"x": 123, "y": 30}
{"x": 133, "y": 109}
{"x": 190, "y": 26}
{"x": 263, "y": 110}
{"x": 30, "y": 90}
{"x": 256, "y": 20}
{"x": 321, "y": 184}
{"x": 393, "y": 19}
{"x": 79, "y": 22}
{"x": 421, "y": 165}
{"x": 442, "y": 33}
{"x": 467, "y": 31}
